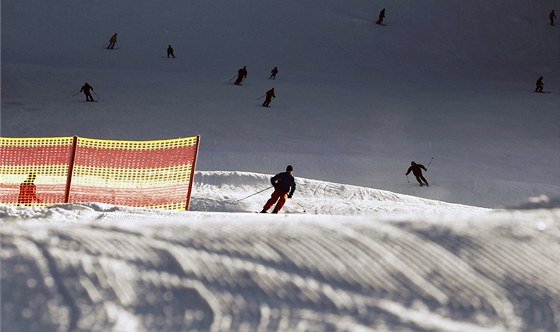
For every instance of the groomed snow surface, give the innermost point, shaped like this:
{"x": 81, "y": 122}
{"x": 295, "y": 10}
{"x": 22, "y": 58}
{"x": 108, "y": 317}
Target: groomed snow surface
{"x": 358, "y": 247}
{"x": 357, "y": 259}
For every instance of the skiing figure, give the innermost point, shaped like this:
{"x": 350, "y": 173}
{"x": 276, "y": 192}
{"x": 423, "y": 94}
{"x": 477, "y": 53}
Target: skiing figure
{"x": 552, "y": 17}
{"x": 241, "y": 74}
{"x": 273, "y": 73}
{"x": 539, "y": 85}
{"x": 269, "y": 95}
{"x": 86, "y": 88}
{"x": 284, "y": 186}
{"x": 170, "y": 52}
{"x": 112, "y": 41}
{"x": 381, "y": 17}
{"x": 28, "y": 191}
{"x": 416, "y": 169}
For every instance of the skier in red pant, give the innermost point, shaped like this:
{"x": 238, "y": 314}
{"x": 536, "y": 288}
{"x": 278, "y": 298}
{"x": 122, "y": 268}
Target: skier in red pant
{"x": 284, "y": 186}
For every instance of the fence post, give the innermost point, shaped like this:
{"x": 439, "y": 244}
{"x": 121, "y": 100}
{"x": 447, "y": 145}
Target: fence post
{"x": 193, "y": 167}
{"x": 70, "y": 169}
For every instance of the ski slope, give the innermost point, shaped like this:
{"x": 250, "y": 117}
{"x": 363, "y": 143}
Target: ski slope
{"x": 371, "y": 261}
{"x": 360, "y": 247}
{"x": 356, "y": 102}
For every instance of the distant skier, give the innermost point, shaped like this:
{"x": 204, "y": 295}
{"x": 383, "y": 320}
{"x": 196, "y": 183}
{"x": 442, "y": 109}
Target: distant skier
{"x": 552, "y": 17}
{"x": 284, "y": 186}
{"x": 241, "y": 75}
{"x": 28, "y": 191}
{"x": 539, "y": 85}
{"x": 416, "y": 169}
{"x": 170, "y": 52}
{"x": 86, "y": 88}
{"x": 273, "y": 73}
{"x": 269, "y": 95}
{"x": 381, "y": 17}
{"x": 112, "y": 41}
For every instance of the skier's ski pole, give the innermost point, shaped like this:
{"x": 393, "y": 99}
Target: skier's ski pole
{"x": 258, "y": 192}
{"x": 260, "y": 97}
{"x": 301, "y": 207}
{"x": 96, "y": 94}
{"x": 232, "y": 78}
{"x": 429, "y": 163}
{"x": 77, "y": 93}
{"x": 407, "y": 178}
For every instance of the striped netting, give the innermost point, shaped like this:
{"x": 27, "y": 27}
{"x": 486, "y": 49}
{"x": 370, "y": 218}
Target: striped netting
{"x": 34, "y": 171}
{"x": 151, "y": 174}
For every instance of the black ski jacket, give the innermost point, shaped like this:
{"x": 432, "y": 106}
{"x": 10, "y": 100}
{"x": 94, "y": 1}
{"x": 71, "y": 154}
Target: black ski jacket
{"x": 284, "y": 181}
{"x": 416, "y": 169}
{"x": 85, "y": 88}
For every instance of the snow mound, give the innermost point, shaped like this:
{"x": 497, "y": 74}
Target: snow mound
{"x": 230, "y": 191}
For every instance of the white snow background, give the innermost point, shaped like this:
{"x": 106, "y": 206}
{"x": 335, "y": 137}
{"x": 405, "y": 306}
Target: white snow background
{"x": 358, "y": 248}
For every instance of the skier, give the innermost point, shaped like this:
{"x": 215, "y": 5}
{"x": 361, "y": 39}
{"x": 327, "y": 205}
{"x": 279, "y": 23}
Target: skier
{"x": 539, "y": 84}
{"x": 552, "y": 17}
{"x": 416, "y": 169}
{"x": 381, "y": 17}
{"x": 28, "y": 191}
{"x": 170, "y": 52}
{"x": 284, "y": 186}
{"x": 269, "y": 96}
{"x": 273, "y": 73}
{"x": 85, "y": 89}
{"x": 241, "y": 74}
{"x": 112, "y": 41}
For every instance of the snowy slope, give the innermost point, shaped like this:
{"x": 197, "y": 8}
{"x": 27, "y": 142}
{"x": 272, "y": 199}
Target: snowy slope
{"x": 355, "y": 103}
{"x": 247, "y": 192}
{"x": 358, "y": 259}
{"x": 358, "y": 247}
{"x": 95, "y": 267}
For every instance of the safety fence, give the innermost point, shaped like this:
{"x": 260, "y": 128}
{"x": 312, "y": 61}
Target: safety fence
{"x": 45, "y": 171}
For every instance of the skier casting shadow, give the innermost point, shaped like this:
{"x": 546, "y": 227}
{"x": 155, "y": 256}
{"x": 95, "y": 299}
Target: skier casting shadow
{"x": 416, "y": 169}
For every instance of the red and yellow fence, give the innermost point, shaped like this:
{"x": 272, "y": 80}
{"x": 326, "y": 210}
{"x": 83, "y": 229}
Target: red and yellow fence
{"x": 44, "y": 171}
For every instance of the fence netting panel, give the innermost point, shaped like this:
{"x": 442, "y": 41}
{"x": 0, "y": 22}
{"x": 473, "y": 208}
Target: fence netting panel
{"x": 152, "y": 174}
{"x": 33, "y": 171}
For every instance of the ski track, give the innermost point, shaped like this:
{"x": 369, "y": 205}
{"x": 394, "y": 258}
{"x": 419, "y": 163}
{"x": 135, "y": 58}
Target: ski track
{"x": 321, "y": 197}
{"x": 293, "y": 272}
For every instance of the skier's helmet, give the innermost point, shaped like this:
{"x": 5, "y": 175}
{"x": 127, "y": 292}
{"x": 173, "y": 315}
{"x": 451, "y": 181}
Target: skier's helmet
{"x": 289, "y": 168}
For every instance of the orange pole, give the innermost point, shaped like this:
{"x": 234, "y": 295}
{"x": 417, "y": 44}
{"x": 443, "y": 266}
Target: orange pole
{"x": 70, "y": 169}
{"x": 192, "y": 173}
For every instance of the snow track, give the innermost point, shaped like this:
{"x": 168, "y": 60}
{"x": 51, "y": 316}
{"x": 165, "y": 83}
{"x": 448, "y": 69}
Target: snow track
{"x": 316, "y": 197}
{"x": 121, "y": 270}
